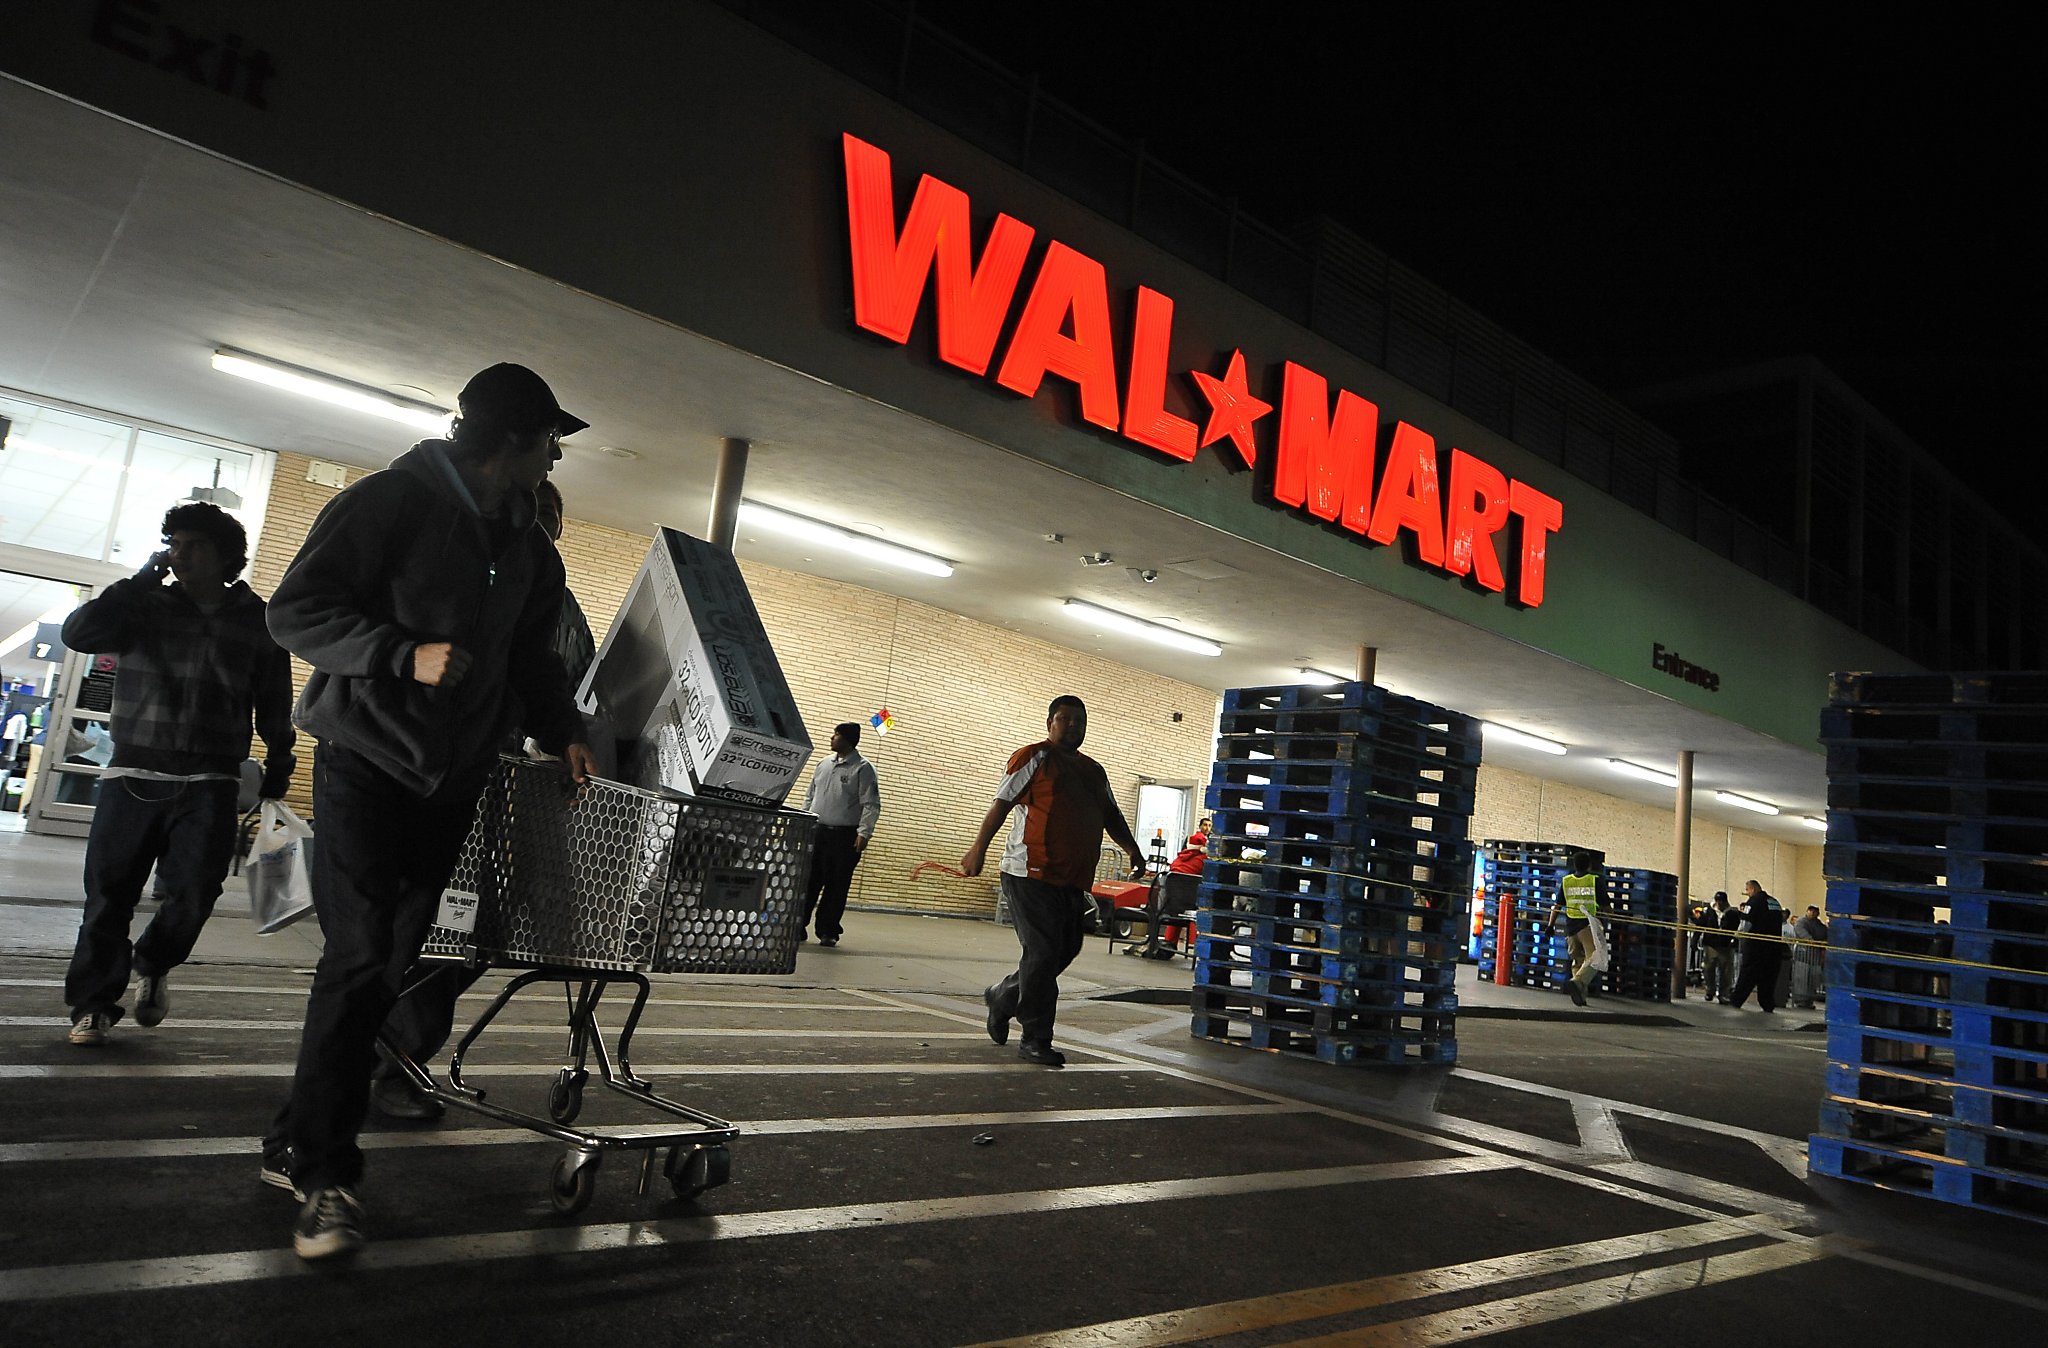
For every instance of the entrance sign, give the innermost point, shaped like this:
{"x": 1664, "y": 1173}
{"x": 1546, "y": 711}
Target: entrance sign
{"x": 1330, "y": 460}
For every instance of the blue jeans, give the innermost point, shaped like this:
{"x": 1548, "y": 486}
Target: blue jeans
{"x": 384, "y": 856}
{"x": 186, "y": 830}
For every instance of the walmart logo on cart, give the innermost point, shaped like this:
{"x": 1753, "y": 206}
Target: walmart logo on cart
{"x": 1331, "y": 461}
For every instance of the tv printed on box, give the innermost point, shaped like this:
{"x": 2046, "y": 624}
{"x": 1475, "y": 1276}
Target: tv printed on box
{"x": 687, "y": 677}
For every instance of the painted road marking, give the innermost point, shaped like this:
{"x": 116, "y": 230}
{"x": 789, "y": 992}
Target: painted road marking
{"x": 1562, "y": 1303}
{"x": 530, "y": 1027}
{"x": 1002, "y": 1062}
{"x": 180, "y": 1271}
{"x": 150, "y": 1148}
{"x": 483, "y": 992}
{"x": 1314, "y": 1303}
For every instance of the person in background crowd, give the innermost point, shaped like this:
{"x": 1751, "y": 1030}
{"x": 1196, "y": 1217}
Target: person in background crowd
{"x": 1717, "y": 949}
{"x": 1763, "y": 918}
{"x": 1809, "y": 958}
{"x": 196, "y": 662}
{"x": 425, "y": 601}
{"x": 847, "y": 800}
{"x": 1062, "y": 804}
{"x": 1579, "y": 895}
{"x": 420, "y": 1022}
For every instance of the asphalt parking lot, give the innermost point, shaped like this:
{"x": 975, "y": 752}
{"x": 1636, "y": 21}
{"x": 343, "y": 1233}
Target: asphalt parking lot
{"x": 1634, "y": 1174}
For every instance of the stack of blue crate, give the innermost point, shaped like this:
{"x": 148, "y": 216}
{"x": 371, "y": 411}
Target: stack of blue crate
{"x": 1937, "y": 968}
{"x": 1642, "y": 906}
{"x": 1334, "y": 902}
{"x": 1521, "y": 880}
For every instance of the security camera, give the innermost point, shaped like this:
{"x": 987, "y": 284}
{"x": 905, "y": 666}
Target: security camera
{"x": 1148, "y": 575}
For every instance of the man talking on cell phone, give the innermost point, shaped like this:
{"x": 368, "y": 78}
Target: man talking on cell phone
{"x": 426, "y": 600}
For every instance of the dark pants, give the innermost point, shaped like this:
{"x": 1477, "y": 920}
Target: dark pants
{"x": 1048, "y": 922}
{"x": 187, "y": 831}
{"x": 384, "y": 857}
{"x": 832, "y": 862}
{"x": 424, "y": 1017}
{"x": 1758, "y": 970}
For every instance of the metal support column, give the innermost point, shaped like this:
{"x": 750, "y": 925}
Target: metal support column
{"x": 1681, "y": 815}
{"x": 1367, "y": 663}
{"x": 725, "y": 492}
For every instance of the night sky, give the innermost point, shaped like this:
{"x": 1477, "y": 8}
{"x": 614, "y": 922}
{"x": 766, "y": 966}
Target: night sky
{"x": 1641, "y": 194}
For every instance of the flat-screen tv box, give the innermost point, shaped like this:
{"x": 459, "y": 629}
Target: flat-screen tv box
{"x": 689, "y": 681}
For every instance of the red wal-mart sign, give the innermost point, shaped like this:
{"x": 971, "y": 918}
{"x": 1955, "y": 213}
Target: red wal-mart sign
{"x": 1326, "y": 456}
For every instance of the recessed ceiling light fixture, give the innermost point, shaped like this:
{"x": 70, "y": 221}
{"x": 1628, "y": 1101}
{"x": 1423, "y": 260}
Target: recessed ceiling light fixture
{"x": 1628, "y": 769}
{"x": 1321, "y": 678}
{"x": 1108, "y": 620}
{"x": 802, "y": 527}
{"x": 1746, "y": 803}
{"x": 1494, "y": 730}
{"x": 327, "y": 389}
{"x": 1814, "y": 821}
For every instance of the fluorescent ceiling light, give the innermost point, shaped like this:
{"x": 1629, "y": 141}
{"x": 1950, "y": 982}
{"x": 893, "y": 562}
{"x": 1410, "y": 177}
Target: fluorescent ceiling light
{"x": 1628, "y": 769}
{"x": 1097, "y": 616}
{"x": 1493, "y": 730}
{"x": 1814, "y": 821}
{"x": 1745, "y": 803}
{"x": 844, "y": 540}
{"x": 327, "y": 389}
{"x": 1321, "y": 678}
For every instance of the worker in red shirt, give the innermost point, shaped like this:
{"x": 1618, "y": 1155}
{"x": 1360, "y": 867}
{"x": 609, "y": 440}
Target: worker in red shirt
{"x": 1062, "y": 804}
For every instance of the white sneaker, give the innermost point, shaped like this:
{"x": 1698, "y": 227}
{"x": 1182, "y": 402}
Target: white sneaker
{"x": 152, "y": 1000}
{"x": 90, "y": 1031}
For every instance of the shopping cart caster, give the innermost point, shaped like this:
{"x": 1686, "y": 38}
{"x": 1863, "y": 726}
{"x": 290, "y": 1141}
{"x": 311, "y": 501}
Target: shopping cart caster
{"x": 565, "y": 1096}
{"x": 573, "y": 1182}
{"x": 693, "y": 1170}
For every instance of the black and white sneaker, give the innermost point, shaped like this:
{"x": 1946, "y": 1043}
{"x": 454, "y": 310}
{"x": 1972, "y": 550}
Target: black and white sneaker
{"x": 330, "y": 1224}
{"x": 90, "y": 1029}
{"x": 152, "y": 999}
{"x": 277, "y": 1172}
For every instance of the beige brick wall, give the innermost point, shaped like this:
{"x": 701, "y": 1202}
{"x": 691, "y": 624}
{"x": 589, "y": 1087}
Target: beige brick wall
{"x": 964, "y": 694}
{"x": 1517, "y": 806}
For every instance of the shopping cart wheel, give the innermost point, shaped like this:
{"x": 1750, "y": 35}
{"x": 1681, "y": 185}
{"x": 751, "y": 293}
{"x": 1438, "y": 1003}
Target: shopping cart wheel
{"x": 573, "y": 1182}
{"x": 693, "y": 1170}
{"x": 565, "y": 1096}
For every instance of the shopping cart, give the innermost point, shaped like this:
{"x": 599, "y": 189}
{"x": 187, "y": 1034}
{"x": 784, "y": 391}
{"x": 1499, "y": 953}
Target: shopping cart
{"x": 599, "y": 885}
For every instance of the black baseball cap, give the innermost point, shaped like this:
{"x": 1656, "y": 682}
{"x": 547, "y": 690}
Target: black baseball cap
{"x": 513, "y": 395}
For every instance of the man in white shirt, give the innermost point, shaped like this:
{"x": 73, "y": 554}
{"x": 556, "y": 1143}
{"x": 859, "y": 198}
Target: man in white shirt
{"x": 847, "y": 802}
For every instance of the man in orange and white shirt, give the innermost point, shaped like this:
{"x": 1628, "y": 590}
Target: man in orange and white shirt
{"x": 1062, "y": 803}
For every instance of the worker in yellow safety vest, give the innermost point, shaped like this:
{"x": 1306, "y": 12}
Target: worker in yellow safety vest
{"x": 1578, "y": 895}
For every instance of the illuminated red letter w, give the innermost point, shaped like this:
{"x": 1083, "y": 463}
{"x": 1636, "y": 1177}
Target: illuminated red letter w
{"x": 889, "y": 270}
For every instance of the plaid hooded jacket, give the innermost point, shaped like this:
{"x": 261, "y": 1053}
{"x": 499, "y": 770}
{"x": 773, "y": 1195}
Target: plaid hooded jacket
{"x": 189, "y": 681}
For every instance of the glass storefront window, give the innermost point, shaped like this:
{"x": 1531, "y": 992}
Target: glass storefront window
{"x": 165, "y": 471}
{"x": 59, "y": 477}
{"x": 94, "y": 487}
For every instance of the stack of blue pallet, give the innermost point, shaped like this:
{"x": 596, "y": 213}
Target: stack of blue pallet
{"x": 1521, "y": 880}
{"x": 1642, "y": 906}
{"x": 1334, "y": 902}
{"x": 1937, "y": 968}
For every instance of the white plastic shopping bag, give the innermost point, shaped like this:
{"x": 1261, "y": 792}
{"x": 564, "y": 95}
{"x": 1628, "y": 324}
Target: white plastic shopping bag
{"x": 280, "y": 868}
{"x": 1600, "y": 948}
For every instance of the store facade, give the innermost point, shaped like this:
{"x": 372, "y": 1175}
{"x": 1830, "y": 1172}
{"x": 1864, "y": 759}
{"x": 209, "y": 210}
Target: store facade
{"x": 727, "y": 239}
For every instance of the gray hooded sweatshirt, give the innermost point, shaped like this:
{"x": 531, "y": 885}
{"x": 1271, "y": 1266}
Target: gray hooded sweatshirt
{"x": 404, "y": 558}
